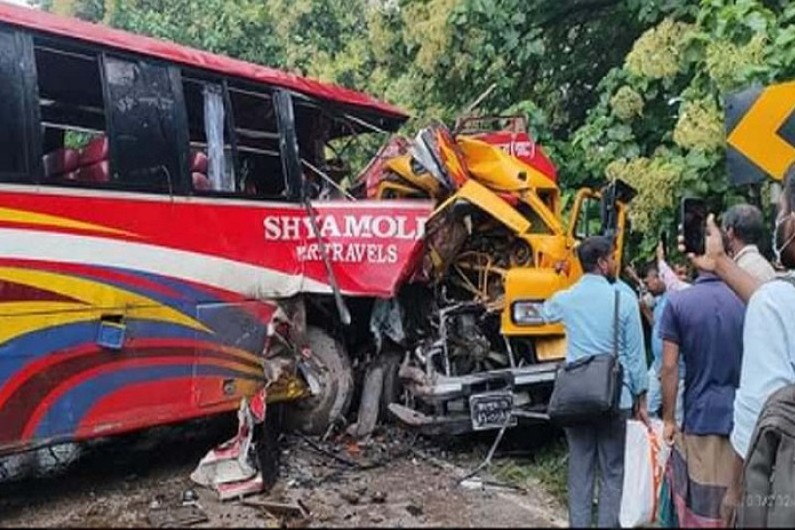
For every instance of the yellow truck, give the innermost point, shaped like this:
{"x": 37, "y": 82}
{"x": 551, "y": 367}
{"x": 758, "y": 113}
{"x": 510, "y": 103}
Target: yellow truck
{"x": 475, "y": 353}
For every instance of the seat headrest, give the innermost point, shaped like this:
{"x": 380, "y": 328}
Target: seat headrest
{"x": 60, "y": 161}
{"x": 98, "y": 172}
{"x": 198, "y": 162}
{"x": 201, "y": 182}
{"x": 95, "y": 151}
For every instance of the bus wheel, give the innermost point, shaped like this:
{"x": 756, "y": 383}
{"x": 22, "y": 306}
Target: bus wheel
{"x": 331, "y": 366}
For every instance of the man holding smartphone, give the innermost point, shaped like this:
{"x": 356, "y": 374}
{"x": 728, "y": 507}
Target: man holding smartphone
{"x": 702, "y": 325}
{"x": 768, "y": 358}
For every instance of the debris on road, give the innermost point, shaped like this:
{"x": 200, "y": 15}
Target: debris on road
{"x": 231, "y": 468}
{"x": 391, "y": 475}
{"x": 176, "y": 516}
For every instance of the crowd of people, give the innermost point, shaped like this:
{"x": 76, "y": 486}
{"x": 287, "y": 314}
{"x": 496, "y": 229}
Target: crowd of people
{"x": 722, "y": 342}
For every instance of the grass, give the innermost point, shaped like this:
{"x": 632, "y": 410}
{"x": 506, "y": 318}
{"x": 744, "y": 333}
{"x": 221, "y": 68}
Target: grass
{"x": 547, "y": 466}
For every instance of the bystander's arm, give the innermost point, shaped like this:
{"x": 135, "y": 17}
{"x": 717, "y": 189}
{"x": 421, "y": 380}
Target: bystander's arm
{"x": 552, "y": 310}
{"x": 648, "y": 314}
{"x": 669, "y": 378}
{"x": 739, "y": 280}
{"x": 716, "y": 260}
{"x": 669, "y": 277}
{"x": 734, "y": 493}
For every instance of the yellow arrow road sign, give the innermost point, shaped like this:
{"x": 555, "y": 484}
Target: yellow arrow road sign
{"x": 757, "y": 135}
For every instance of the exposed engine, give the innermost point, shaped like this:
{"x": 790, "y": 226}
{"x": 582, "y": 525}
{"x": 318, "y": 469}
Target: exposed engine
{"x": 495, "y": 239}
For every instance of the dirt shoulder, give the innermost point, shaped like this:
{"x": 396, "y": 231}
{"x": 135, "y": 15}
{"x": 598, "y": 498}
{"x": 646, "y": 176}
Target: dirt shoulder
{"x": 387, "y": 483}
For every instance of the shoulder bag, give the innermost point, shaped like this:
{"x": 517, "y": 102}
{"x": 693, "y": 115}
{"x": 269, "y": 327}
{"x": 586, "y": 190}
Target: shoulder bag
{"x": 588, "y": 389}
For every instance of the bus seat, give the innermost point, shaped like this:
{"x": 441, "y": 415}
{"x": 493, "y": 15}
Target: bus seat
{"x": 60, "y": 161}
{"x": 96, "y": 150}
{"x": 198, "y": 162}
{"x": 98, "y": 172}
{"x": 200, "y": 181}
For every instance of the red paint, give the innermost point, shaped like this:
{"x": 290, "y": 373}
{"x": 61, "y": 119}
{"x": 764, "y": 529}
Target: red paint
{"x": 239, "y": 233}
{"x": 522, "y": 146}
{"x": 121, "y": 410}
{"x": 169, "y": 395}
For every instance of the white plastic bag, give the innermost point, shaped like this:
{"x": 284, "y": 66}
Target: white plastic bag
{"x": 644, "y": 463}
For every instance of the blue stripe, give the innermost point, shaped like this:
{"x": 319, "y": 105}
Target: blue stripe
{"x": 180, "y": 304}
{"x": 188, "y": 291}
{"x": 66, "y": 414}
{"x": 15, "y": 354}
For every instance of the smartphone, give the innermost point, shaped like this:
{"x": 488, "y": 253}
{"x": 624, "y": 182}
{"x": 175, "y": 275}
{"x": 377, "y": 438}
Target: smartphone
{"x": 694, "y": 224}
{"x": 664, "y": 240}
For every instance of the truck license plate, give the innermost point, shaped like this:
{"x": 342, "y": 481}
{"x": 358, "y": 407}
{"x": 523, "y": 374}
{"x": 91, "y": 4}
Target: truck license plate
{"x": 491, "y": 410}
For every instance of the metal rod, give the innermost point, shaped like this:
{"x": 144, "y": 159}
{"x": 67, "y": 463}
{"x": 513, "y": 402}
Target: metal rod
{"x": 486, "y": 462}
{"x": 328, "y": 179}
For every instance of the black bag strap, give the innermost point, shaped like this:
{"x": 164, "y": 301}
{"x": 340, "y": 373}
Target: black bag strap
{"x": 615, "y": 324}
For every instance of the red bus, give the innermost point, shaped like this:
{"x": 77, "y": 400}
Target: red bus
{"x": 164, "y": 249}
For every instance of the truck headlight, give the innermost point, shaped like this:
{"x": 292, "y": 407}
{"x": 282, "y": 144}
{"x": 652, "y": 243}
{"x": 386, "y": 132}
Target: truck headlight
{"x": 527, "y": 312}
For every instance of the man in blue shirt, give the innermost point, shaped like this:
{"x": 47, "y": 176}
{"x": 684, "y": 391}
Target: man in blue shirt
{"x": 652, "y": 307}
{"x": 703, "y": 324}
{"x": 769, "y": 356}
{"x": 586, "y": 310}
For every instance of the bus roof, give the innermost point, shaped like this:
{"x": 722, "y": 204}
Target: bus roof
{"x": 74, "y": 28}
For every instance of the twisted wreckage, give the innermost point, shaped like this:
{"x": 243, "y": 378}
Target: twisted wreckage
{"x": 175, "y": 239}
{"x": 461, "y": 345}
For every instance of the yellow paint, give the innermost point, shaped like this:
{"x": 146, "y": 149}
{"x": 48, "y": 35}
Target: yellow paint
{"x": 10, "y": 215}
{"x": 755, "y": 135}
{"x": 287, "y": 388}
{"x": 498, "y": 170}
{"x": 488, "y": 201}
{"x": 551, "y": 348}
{"x": 87, "y": 293}
{"x": 425, "y": 181}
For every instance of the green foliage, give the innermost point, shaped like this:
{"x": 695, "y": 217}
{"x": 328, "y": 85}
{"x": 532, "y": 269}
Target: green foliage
{"x": 681, "y": 68}
{"x": 626, "y": 88}
{"x": 548, "y": 467}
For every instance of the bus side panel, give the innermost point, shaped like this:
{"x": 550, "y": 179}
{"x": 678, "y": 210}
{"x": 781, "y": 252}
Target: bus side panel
{"x": 178, "y": 359}
{"x": 238, "y": 327}
{"x": 40, "y": 353}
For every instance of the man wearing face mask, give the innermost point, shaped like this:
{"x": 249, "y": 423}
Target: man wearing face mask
{"x": 586, "y": 310}
{"x": 768, "y": 358}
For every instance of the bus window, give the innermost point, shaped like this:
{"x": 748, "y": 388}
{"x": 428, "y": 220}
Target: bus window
{"x": 210, "y": 160}
{"x": 72, "y": 112}
{"x": 13, "y": 163}
{"x": 257, "y": 138}
{"x": 142, "y": 110}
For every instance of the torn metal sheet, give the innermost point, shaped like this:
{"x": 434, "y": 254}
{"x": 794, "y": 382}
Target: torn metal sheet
{"x": 230, "y": 469}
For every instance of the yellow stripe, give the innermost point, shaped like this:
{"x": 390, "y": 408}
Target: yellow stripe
{"x": 10, "y": 215}
{"x": 29, "y": 323}
{"x": 38, "y": 307}
{"x": 93, "y": 294}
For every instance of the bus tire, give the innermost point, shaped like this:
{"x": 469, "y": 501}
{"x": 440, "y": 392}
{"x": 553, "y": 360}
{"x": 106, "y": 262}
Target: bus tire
{"x": 330, "y": 364}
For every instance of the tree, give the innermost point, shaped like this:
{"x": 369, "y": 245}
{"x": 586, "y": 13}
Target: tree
{"x": 659, "y": 120}
{"x": 630, "y": 89}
